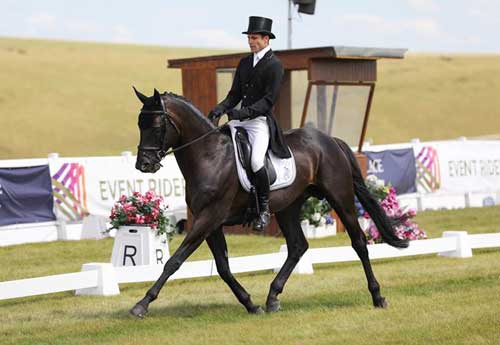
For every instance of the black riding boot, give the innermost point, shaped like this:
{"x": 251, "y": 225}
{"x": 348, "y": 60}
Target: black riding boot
{"x": 262, "y": 187}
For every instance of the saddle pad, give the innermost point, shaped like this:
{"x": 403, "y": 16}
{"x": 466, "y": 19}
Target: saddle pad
{"x": 285, "y": 168}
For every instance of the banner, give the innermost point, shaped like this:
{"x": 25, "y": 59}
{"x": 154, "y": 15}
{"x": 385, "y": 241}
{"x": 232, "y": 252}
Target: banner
{"x": 25, "y": 195}
{"x": 458, "y": 166}
{"x": 92, "y": 185}
{"x": 396, "y": 167}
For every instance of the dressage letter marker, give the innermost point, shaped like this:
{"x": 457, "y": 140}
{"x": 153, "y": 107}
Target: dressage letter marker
{"x": 129, "y": 255}
{"x": 139, "y": 245}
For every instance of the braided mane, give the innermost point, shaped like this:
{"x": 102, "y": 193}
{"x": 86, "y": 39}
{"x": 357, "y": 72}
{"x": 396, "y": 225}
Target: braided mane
{"x": 189, "y": 104}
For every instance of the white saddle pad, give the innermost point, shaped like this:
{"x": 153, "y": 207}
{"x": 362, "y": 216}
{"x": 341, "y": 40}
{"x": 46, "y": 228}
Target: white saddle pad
{"x": 285, "y": 167}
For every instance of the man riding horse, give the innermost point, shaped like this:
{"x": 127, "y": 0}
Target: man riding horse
{"x": 256, "y": 84}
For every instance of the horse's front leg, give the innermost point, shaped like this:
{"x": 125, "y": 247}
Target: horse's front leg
{"x": 202, "y": 227}
{"x": 217, "y": 243}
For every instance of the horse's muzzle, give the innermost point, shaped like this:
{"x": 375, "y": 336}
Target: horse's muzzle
{"x": 146, "y": 167}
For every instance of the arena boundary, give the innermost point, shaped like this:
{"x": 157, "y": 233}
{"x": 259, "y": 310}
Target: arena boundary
{"x": 103, "y": 279}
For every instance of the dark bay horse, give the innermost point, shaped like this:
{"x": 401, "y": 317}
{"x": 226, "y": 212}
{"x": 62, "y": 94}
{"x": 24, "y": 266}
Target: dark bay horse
{"x": 326, "y": 168}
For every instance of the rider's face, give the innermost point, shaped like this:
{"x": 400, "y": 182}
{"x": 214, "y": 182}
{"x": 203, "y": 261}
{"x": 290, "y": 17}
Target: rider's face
{"x": 257, "y": 42}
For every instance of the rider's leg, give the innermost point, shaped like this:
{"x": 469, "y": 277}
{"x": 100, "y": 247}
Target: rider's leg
{"x": 262, "y": 187}
{"x": 258, "y": 134}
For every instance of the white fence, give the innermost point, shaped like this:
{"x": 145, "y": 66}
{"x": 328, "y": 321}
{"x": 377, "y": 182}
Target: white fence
{"x": 449, "y": 201}
{"x": 103, "y": 278}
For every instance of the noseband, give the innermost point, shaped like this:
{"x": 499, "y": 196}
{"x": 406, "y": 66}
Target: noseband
{"x": 164, "y": 117}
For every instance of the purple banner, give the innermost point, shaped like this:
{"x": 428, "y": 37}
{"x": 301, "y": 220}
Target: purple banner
{"x": 25, "y": 195}
{"x": 396, "y": 167}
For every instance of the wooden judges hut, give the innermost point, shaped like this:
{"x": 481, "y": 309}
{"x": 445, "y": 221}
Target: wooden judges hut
{"x": 329, "y": 88}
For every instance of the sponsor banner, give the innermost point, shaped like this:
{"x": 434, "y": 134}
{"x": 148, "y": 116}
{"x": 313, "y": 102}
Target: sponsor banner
{"x": 92, "y": 185}
{"x": 428, "y": 179}
{"x": 458, "y": 166}
{"x": 396, "y": 167}
{"x": 25, "y": 195}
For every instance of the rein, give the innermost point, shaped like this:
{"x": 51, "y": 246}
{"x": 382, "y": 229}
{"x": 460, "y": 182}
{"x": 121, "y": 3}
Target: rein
{"x": 165, "y": 116}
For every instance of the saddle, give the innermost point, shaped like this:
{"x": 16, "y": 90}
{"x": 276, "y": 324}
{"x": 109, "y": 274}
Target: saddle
{"x": 245, "y": 154}
{"x": 281, "y": 172}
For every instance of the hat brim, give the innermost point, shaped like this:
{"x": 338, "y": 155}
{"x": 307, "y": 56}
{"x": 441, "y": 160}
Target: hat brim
{"x": 270, "y": 34}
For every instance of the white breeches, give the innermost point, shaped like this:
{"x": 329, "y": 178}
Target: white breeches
{"x": 258, "y": 134}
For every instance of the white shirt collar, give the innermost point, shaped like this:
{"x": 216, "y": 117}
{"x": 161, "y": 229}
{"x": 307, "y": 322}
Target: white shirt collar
{"x": 260, "y": 54}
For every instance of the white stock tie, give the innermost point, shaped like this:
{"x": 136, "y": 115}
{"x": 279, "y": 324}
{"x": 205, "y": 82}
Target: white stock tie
{"x": 255, "y": 59}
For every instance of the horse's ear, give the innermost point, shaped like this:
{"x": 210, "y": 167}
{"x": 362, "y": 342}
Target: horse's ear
{"x": 141, "y": 97}
{"x": 156, "y": 97}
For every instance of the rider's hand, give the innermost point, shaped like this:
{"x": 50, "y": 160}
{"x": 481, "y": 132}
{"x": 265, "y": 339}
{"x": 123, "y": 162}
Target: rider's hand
{"x": 233, "y": 114}
{"x": 215, "y": 113}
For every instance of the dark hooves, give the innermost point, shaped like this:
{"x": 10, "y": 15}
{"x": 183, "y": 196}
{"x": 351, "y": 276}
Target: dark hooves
{"x": 381, "y": 303}
{"x": 139, "y": 311}
{"x": 273, "y": 307}
{"x": 257, "y": 310}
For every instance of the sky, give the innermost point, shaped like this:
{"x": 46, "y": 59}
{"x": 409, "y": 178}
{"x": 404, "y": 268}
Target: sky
{"x": 454, "y": 26}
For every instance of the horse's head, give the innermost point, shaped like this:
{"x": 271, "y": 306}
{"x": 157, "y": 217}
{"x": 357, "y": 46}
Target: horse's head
{"x": 158, "y": 132}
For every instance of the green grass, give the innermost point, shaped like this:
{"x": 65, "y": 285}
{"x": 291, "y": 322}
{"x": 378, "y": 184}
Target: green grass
{"x": 76, "y": 98}
{"x": 434, "y": 300}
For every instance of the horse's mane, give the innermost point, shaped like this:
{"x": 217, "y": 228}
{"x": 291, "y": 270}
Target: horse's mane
{"x": 186, "y": 102}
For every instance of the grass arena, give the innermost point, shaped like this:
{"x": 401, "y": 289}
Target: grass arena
{"x": 432, "y": 299}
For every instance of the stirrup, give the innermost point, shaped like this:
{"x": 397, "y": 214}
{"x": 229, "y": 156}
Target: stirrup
{"x": 262, "y": 221}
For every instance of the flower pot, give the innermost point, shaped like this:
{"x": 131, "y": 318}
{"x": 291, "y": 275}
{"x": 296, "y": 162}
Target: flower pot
{"x": 364, "y": 223}
{"x": 139, "y": 245}
{"x": 311, "y": 231}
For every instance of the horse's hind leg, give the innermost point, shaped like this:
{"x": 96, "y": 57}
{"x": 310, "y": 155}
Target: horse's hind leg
{"x": 297, "y": 245}
{"x": 343, "y": 204}
{"x": 217, "y": 243}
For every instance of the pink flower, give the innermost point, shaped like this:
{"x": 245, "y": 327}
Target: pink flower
{"x": 149, "y": 195}
{"x": 140, "y": 209}
{"x": 128, "y": 207}
{"x": 374, "y": 232}
{"x": 139, "y": 219}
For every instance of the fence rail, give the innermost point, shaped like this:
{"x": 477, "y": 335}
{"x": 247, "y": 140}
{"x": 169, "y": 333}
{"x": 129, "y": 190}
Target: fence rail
{"x": 103, "y": 278}
{"x": 49, "y": 284}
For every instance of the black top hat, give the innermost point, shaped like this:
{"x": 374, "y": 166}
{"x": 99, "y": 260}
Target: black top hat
{"x": 260, "y": 25}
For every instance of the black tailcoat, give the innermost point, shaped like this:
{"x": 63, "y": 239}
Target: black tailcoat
{"x": 258, "y": 88}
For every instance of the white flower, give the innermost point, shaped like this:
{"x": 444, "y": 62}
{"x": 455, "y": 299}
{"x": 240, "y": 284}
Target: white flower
{"x": 305, "y": 222}
{"x": 372, "y": 179}
{"x": 380, "y": 184}
{"x": 316, "y": 217}
{"x": 322, "y": 221}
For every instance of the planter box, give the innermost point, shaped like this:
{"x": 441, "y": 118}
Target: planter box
{"x": 311, "y": 231}
{"x": 139, "y": 245}
{"x": 364, "y": 223}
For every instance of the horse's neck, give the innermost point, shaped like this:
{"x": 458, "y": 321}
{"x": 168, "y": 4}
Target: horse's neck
{"x": 195, "y": 157}
{"x": 196, "y": 161}
{"x": 193, "y": 130}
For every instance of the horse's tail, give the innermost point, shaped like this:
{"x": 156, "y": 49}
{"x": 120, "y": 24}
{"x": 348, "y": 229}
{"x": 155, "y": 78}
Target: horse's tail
{"x": 377, "y": 214}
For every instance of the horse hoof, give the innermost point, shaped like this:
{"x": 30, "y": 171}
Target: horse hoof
{"x": 381, "y": 303}
{"x": 273, "y": 307}
{"x": 139, "y": 311}
{"x": 257, "y": 310}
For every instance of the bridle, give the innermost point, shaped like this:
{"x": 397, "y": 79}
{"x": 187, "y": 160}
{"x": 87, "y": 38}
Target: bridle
{"x": 166, "y": 116}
